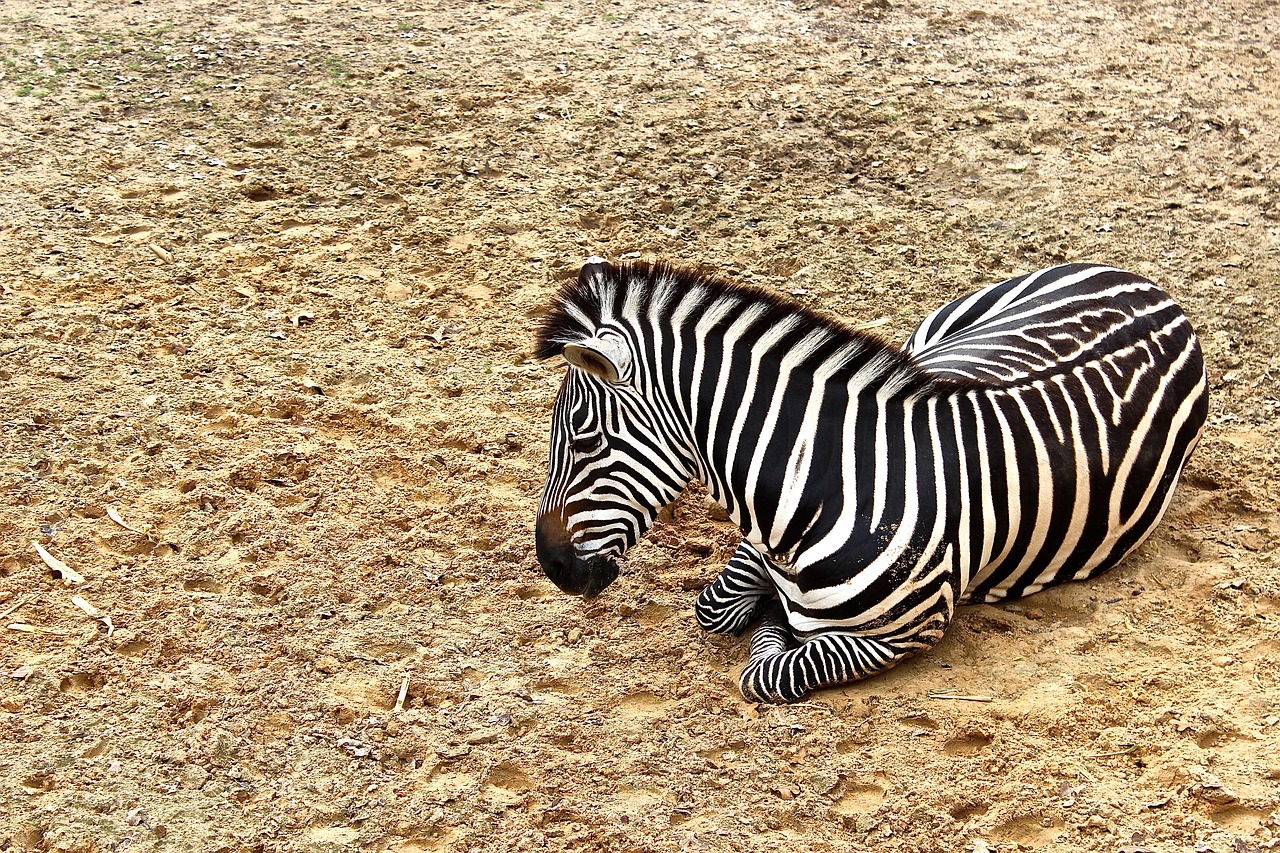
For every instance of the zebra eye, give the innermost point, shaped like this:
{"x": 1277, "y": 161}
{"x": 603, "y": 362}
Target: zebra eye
{"x": 586, "y": 444}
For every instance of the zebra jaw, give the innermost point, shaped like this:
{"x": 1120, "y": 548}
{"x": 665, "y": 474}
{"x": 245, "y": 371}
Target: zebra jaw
{"x": 573, "y": 574}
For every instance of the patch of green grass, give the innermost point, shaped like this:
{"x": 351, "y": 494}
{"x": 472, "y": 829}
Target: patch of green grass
{"x": 150, "y": 34}
{"x": 41, "y": 71}
{"x": 336, "y": 67}
{"x": 44, "y": 63}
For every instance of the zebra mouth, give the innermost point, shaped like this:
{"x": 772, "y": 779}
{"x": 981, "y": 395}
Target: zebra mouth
{"x": 584, "y": 576}
{"x": 600, "y": 571}
{"x": 587, "y": 578}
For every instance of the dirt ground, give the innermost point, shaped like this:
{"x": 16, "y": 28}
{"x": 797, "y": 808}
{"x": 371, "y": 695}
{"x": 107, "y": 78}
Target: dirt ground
{"x": 270, "y": 273}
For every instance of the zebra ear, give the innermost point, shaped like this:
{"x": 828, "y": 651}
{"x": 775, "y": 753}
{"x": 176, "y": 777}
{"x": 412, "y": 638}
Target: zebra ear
{"x": 607, "y": 358}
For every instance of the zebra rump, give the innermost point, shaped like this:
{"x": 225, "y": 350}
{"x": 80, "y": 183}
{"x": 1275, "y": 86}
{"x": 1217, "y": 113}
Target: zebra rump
{"x": 1026, "y": 434}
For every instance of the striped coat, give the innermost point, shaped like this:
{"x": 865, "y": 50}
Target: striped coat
{"x": 1027, "y": 434}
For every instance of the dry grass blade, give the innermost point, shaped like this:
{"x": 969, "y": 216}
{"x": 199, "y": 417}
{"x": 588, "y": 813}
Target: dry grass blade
{"x": 871, "y": 324}
{"x": 28, "y": 628}
{"x": 1126, "y": 751}
{"x": 94, "y": 613}
{"x": 69, "y": 576}
{"x": 88, "y": 608}
{"x": 964, "y": 697}
{"x": 12, "y": 607}
{"x": 115, "y": 516}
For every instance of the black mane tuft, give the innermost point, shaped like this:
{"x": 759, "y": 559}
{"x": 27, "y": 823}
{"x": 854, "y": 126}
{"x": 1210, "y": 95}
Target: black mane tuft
{"x": 580, "y": 306}
{"x": 559, "y": 326}
{"x": 583, "y": 298}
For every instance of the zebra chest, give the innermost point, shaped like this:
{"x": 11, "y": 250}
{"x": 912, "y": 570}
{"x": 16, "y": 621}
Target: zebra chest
{"x": 882, "y": 565}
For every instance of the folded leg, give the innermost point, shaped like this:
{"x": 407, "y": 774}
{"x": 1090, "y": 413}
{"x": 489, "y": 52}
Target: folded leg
{"x": 728, "y": 604}
{"x": 779, "y": 671}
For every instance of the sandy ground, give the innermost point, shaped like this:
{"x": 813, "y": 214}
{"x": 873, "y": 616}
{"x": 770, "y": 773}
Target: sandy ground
{"x": 270, "y": 273}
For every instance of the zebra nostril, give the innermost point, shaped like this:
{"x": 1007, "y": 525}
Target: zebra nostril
{"x": 555, "y": 553}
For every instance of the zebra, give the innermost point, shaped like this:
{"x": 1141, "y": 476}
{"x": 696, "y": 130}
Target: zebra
{"x": 1026, "y": 434}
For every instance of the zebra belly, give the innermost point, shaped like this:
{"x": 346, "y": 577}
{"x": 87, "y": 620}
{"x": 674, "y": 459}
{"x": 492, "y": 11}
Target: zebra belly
{"x": 1074, "y": 551}
{"x": 996, "y": 585}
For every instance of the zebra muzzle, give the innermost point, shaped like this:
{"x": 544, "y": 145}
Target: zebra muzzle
{"x": 573, "y": 574}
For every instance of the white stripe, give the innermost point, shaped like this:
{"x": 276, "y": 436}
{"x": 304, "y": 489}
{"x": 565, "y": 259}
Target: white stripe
{"x": 789, "y": 360}
{"x": 838, "y": 595}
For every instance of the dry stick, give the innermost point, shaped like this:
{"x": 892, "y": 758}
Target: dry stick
{"x": 960, "y": 696}
{"x": 15, "y": 605}
{"x": 404, "y": 691}
{"x": 816, "y": 706}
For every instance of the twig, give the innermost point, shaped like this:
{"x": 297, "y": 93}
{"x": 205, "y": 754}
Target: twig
{"x": 1125, "y": 751}
{"x": 12, "y": 351}
{"x": 15, "y": 605}
{"x": 816, "y": 706}
{"x": 404, "y": 692}
{"x": 947, "y": 694}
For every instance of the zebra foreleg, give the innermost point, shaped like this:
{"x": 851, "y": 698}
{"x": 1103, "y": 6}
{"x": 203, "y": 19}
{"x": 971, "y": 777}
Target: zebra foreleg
{"x": 729, "y": 603}
{"x": 776, "y": 672}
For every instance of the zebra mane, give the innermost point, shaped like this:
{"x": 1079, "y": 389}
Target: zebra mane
{"x": 604, "y": 293}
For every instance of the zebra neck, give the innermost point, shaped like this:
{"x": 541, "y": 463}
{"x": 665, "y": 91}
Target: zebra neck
{"x": 803, "y": 456}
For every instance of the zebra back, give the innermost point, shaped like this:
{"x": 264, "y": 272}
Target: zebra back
{"x": 1050, "y": 322}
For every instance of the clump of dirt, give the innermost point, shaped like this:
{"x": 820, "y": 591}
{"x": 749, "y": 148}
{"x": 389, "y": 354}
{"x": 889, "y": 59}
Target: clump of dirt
{"x": 270, "y": 273}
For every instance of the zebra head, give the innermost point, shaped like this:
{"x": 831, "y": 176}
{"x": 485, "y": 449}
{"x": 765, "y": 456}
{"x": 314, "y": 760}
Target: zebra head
{"x": 616, "y": 459}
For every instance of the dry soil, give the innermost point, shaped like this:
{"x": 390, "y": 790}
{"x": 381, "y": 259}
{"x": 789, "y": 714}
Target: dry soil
{"x": 270, "y": 272}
